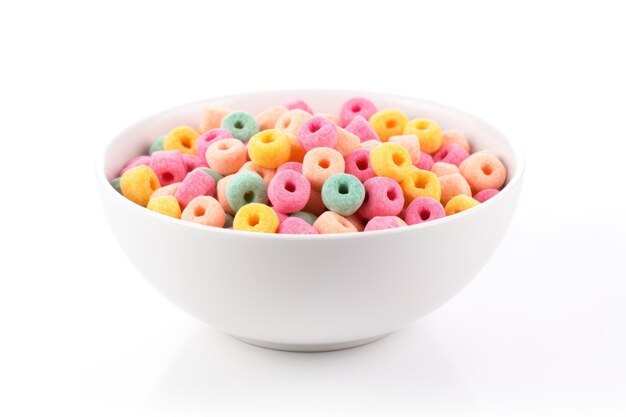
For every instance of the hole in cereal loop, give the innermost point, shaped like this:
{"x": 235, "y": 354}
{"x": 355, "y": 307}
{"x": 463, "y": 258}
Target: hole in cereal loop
{"x": 248, "y": 197}
{"x": 199, "y": 211}
{"x": 253, "y": 220}
{"x": 343, "y": 189}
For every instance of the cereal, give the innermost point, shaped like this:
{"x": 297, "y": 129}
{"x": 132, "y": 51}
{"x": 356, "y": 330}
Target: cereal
{"x": 241, "y": 125}
{"x": 331, "y": 222}
{"x": 205, "y": 210}
{"x": 420, "y": 183}
{"x": 212, "y": 118}
{"x": 138, "y": 184}
{"x": 256, "y": 217}
{"x": 391, "y": 160}
{"x": 317, "y": 132}
{"x": 357, "y": 106}
{"x": 266, "y": 173}
{"x": 305, "y": 215}
{"x": 298, "y": 104}
{"x": 244, "y": 188}
{"x": 460, "y": 203}
{"x": 206, "y": 139}
{"x": 296, "y": 226}
{"x": 343, "y": 194}
{"x": 448, "y": 137}
{"x": 453, "y": 185}
{"x": 182, "y": 139}
{"x": 346, "y": 142}
{"x": 291, "y": 171}
{"x": 157, "y": 145}
{"x": 411, "y": 143}
{"x": 423, "y": 209}
{"x": 289, "y": 191}
{"x": 294, "y": 166}
{"x": 358, "y": 164}
{"x": 452, "y": 154}
{"x": 320, "y": 163}
{"x": 383, "y": 198}
{"x": 428, "y": 132}
{"x": 361, "y": 128}
{"x": 388, "y": 122}
{"x": 384, "y": 222}
{"x": 168, "y": 166}
{"x": 269, "y": 148}
{"x": 166, "y": 205}
{"x": 268, "y": 117}
{"x": 226, "y": 156}
{"x": 197, "y": 183}
{"x": 291, "y": 121}
{"x": 443, "y": 168}
{"x": 483, "y": 170}
{"x": 485, "y": 194}
{"x": 426, "y": 161}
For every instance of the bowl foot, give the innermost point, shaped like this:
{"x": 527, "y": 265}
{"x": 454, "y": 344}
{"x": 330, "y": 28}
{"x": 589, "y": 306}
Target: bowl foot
{"x": 322, "y": 347}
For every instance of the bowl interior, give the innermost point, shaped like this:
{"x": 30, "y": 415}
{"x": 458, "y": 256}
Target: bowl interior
{"x": 137, "y": 139}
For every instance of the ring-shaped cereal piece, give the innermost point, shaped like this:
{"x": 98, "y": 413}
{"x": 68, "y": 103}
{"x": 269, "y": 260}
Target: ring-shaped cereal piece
{"x": 420, "y": 183}
{"x": 182, "y": 139}
{"x": 388, "y": 122}
{"x": 343, "y": 194}
{"x": 269, "y": 148}
{"x": 256, "y": 217}
{"x": 428, "y": 132}
{"x": 244, "y": 188}
{"x": 391, "y": 160}
{"x": 138, "y": 184}
{"x": 241, "y": 125}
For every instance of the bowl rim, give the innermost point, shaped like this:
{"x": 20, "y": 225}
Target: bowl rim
{"x": 104, "y": 182}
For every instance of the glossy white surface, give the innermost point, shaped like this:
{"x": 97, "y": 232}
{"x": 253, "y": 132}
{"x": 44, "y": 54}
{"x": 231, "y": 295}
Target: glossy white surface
{"x": 309, "y": 293}
{"x": 539, "y": 332}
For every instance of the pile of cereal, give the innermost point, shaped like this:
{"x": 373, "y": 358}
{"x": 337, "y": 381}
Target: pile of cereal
{"x": 290, "y": 170}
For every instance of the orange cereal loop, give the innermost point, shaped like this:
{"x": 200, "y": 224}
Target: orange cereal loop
{"x": 460, "y": 203}
{"x": 166, "y": 204}
{"x": 427, "y": 131}
{"x": 267, "y": 118}
{"x": 269, "y": 148}
{"x": 256, "y": 217}
{"x": 443, "y": 168}
{"x": 321, "y": 163}
{"x": 167, "y": 190}
{"x": 182, "y": 139}
{"x": 346, "y": 142}
{"x": 297, "y": 151}
{"x": 221, "y": 193}
{"x": 449, "y": 137}
{"x": 291, "y": 121}
{"x": 265, "y": 173}
{"x": 483, "y": 170}
{"x": 204, "y": 210}
{"x": 391, "y": 160}
{"x": 315, "y": 205}
{"x": 331, "y": 222}
{"x": 212, "y": 118}
{"x": 138, "y": 184}
{"x": 453, "y": 185}
{"x": 420, "y": 183}
{"x": 388, "y": 122}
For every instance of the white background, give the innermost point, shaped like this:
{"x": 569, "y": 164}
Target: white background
{"x": 540, "y": 331}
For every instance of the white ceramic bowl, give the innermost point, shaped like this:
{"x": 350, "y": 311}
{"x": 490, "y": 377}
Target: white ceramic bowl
{"x": 309, "y": 293}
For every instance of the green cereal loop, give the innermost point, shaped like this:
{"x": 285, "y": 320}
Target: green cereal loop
{"x": 241, "y": 125}
{"x": 213, "y": 173}
{"x": 157, "y": 145}
{"x": 343, "y": 194}
{"x": 115, "y": 183}
{"x": 229, "y": 221}
{"x": 306, "y": 216}
{"x": 246, "y": 187}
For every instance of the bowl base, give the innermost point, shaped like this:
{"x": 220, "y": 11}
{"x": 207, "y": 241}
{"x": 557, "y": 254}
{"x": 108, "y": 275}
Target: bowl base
{"x": 321, "y": 347}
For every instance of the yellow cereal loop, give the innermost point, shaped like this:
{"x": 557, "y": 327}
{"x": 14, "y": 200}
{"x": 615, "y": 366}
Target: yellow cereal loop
{"x": 391, "y": 160}
{"x": 269, "y": 148}
{"x": 427, "y": 131}
{"x": 388, "y": 122}
{"x": 256, "y": 217}
{"x": 138, "y": 184}
{"x": 165, "y": 204}
{"x": 460, "y": 203}
{"x": 420, "y": 183}
{"x": 181, "y": 138}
